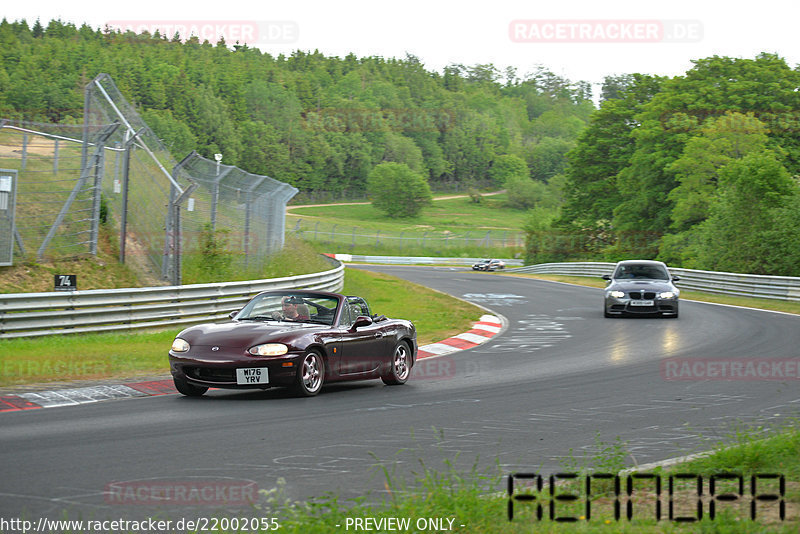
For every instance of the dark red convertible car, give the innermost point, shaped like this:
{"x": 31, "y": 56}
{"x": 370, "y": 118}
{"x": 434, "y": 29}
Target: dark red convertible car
{"x": 295, "y": 338}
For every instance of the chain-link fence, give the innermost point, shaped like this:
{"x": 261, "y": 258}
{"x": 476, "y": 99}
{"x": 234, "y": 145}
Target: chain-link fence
{"x": 245, "y": 211}
{"x": 57, "y": 180}
{"x": 120, "y": 172}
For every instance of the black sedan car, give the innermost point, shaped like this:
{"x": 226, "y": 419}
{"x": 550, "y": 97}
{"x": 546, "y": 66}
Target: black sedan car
{"x": 294, "y": 338}
{"x": 640, "y": 287}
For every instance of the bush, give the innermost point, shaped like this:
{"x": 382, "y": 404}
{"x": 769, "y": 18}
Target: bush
{"x": 397, "y": 190}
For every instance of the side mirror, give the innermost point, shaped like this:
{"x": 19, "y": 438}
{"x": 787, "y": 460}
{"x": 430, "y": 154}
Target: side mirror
{"x": 676, "y": 278}
{"x": 362, "y": 320}
{"x": 233, "y": 313}
{"x": 607, "y": 277}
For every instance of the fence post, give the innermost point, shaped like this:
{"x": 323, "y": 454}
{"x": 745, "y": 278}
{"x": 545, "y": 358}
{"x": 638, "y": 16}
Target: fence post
{"x": 55, "y": 156}
{"x": 24, "y": 151}
{"x": 126, "y": 166}
{"x": 97, "y": 193}
{"x": 172, "y": 241}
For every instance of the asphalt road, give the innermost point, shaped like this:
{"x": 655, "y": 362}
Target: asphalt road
{"x": 558, "y": 384}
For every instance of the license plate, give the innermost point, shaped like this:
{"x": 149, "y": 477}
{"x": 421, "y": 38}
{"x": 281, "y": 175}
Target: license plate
{"x": 254, "y": 375}
{"x": 642, "y": 303}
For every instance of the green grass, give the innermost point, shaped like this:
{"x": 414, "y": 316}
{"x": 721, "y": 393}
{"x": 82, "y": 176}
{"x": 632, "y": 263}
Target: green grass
{"x": 454, "y": 227}
{"x": 120, "y": 355}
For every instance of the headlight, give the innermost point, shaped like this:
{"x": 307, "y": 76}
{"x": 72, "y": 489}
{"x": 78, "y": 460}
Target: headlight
{"x": 666, "y": 295}
{"x": 269, "y": 349}
{"x": 616, "y": 294}
{"x": 180, "y": 345}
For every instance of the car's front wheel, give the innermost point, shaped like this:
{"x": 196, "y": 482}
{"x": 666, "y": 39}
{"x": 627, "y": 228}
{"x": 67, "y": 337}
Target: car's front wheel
{"x": 310, "y": 374}
{"x": 188, "y": 389}
{"x": 400, "y": 366}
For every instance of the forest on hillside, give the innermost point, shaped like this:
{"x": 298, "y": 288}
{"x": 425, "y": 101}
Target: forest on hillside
{"x": 699, "y": 170}
{"x": 319, "y": 123}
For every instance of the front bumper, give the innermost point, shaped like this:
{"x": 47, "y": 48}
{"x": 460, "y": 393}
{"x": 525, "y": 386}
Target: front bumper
{"x": 628, "y": 306}
{"x": 217, "y": 373}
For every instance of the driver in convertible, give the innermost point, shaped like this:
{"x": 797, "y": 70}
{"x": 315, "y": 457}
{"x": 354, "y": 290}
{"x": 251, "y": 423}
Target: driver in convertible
{"x": 293, "y": 309}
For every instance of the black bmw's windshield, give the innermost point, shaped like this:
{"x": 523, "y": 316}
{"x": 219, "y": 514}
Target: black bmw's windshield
{"x": 635, "y": 271}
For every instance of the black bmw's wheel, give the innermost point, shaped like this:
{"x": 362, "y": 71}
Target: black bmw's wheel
{"x": 188, "y": 389}
{"x": 310, "y": 375}
{"x": 400, "y": 367}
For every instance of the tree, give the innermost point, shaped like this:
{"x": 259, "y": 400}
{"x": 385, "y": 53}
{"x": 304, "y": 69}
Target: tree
{"x": 401, "y": 149}
{"x": 721, "y": 140}
{"x": 738, "y": 235}
{"x": 507, "y": 166}
{"x": 397, "y": 190}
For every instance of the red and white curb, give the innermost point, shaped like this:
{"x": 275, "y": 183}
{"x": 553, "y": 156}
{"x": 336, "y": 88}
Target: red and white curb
{"x": 84, "y": 395}
{"x": 487, "y": 327}
{"x": 481, "y": 332}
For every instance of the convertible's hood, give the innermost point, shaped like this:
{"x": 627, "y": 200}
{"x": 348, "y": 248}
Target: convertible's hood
{"x": 243, "y": 333}
{"x": 644, "y": 285}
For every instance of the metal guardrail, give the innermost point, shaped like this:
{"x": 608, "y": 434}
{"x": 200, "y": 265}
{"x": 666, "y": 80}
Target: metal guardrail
{"x": 102, "y": 310}
{"x": 39, "y": 314}
{"x": 748, "y": 285}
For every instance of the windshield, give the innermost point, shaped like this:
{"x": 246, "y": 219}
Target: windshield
{"x": 290, "y": 306}
{"x": 638, "y": 271}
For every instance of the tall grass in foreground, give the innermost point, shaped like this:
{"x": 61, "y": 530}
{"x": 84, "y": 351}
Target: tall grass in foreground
{"x": 477, "y": 501}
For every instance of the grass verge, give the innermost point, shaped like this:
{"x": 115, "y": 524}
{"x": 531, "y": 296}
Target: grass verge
{"x": 122, "y": 355}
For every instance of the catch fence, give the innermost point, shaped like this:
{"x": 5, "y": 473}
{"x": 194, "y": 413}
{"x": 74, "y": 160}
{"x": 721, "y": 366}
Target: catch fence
{"x": 113, "y": 169}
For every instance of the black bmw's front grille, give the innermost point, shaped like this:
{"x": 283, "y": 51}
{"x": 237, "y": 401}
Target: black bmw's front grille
{"x": 646, "y": 295}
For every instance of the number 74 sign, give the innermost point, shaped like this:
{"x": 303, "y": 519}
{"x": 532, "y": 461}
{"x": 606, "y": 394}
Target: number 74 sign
{"x": 66, "y": 282}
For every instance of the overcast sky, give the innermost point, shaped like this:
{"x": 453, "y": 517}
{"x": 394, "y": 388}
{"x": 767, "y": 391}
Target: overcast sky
{"x": 578, "y": 39}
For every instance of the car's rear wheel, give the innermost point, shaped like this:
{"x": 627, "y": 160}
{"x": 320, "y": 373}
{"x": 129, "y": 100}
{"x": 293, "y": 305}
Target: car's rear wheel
{"x": 310, "y": 374}
{"x": 400, "y": 367}
{"x": 188, "y": 389}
